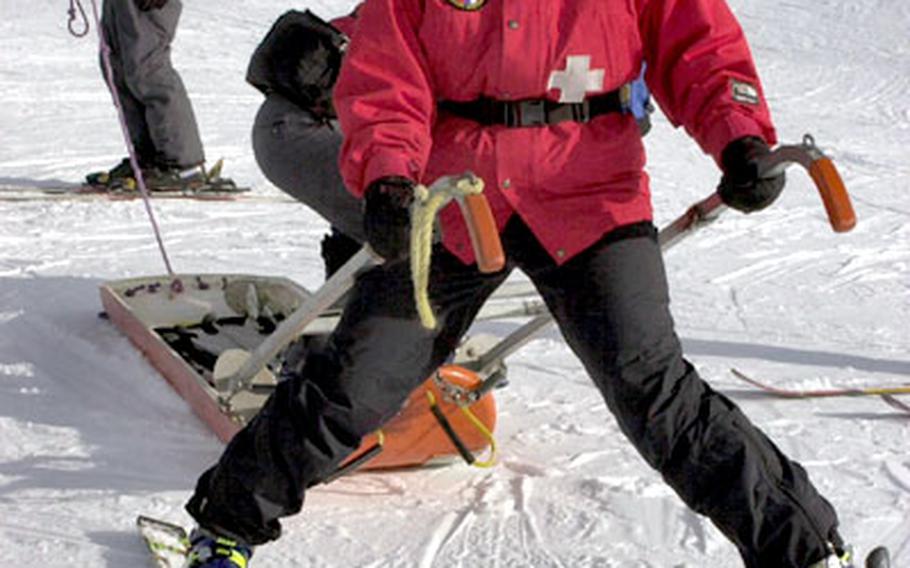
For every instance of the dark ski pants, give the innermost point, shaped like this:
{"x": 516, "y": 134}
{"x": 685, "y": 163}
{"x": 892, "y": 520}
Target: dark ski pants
{"x": 612, "y": 306}
{"x": 155, "y": 104}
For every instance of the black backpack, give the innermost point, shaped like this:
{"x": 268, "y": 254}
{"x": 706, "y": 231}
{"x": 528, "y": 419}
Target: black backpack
{"x": 299, "y": 59}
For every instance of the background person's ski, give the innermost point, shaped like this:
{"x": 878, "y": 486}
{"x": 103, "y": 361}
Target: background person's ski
{"x": 167, "y": 542}
{"x": 888, "y": 393}
{"x": 213, "y": 187}
{"x": 80, "y": 192}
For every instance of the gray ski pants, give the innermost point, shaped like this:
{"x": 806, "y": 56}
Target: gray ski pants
{"x": 612, "y": 306}
{"x": 299, "y": 154}
{"x": 156, "y": 107}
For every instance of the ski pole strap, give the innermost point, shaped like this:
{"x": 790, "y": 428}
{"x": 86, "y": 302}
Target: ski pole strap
{"x": 108, "y": 73}
{"x": 822, "y": 171}
{"x": 428, "y": 201}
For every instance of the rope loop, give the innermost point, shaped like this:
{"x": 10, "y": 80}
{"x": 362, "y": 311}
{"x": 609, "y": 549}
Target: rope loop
{"x": 70, "y": 24}
{"x": 428, "y": 201}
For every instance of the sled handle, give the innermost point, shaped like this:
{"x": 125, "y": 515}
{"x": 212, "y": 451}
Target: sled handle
{"x": 820, "y": 167}
{"x": 483, "y": 232}
{"x": 834, "y": 194}
{"x": 822, "y": 171}
{"x": 235, "y": 375}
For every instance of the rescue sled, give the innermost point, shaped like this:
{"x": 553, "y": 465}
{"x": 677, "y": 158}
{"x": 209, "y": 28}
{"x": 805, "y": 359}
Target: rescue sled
{"x": 223, "y": 340}
{"x": 183, "y": 331}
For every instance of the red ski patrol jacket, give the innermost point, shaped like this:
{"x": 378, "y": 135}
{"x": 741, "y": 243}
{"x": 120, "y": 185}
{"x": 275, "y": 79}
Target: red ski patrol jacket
{"x": 571, "y": 182}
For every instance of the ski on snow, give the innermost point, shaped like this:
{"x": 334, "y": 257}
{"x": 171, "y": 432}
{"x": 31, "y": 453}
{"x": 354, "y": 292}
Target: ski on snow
{"x": 88, "y": 192}
{"x": 168, "y": 543}
{"x": 888, "y": 393}
{"x": 215, "y": 188}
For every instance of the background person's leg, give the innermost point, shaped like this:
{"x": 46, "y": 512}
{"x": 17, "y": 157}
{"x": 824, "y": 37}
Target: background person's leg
{"x": 299, "y": 154}
{"x": 143, "y": 47}
{"x": 133, "y": 109}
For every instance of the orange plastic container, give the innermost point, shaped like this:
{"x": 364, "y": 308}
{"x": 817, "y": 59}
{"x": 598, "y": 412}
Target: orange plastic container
{"x": 414, "y": 436}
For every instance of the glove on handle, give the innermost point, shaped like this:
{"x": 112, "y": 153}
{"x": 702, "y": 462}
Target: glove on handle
{"x": 743, "y": 187}
{"x": 387, "y": 220}
{"x": 387, "y": 216}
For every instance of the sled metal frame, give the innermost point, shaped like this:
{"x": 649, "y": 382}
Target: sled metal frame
{"x": 226, "y": 411}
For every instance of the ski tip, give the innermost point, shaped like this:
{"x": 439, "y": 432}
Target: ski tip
{"x": 143, "y": 521}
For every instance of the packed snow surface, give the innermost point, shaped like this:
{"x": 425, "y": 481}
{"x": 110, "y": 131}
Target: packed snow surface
{"x": 91, "y": 436}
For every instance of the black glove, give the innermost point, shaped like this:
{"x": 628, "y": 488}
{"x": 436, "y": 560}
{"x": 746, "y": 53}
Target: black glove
{"x": 740, "y": 187}
{"x": 387, "y": 217}
{"x": 146, "y": 5}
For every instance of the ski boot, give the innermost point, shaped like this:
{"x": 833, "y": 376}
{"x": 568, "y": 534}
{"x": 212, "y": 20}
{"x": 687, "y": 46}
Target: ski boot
{"x": 192, "y": 180}
{"x": 121, "y": 179}
{"x": 878, "y": 558}
{"x": 208, "y": 550}
{"x": 188, "y": 180}
{"x": 115, "y": 175}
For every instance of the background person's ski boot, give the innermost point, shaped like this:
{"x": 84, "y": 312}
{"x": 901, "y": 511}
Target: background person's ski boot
{"x": 161, "y": 179}
{"x": 106, "y": 179}
{"x": 195, "y": 180}
{"x": 191, "y": 181}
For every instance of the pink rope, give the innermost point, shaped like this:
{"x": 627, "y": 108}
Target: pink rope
{"x": 176, "y": 285}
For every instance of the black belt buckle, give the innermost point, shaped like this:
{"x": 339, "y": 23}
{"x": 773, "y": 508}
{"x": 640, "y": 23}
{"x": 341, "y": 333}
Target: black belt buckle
{"x": 532, "y": 113}
{"x": 582, "y": 111}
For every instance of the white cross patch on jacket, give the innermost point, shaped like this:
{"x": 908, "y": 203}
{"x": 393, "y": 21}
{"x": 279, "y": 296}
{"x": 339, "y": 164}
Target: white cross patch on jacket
{"x": 577, "y": 79}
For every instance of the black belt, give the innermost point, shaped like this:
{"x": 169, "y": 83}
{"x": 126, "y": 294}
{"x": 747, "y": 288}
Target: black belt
{"x": 537, "y": 112}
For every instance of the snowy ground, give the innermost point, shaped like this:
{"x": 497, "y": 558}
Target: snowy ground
{"x": 90, "y": 435}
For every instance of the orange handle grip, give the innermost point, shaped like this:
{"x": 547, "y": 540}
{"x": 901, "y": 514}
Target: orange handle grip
{"x": 483, "y": 232}
{"x": 834, "y": 195}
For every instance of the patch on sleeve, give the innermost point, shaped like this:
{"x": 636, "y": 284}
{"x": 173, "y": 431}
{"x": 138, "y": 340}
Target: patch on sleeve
{"x": 745, "y": 93}
{"x": 468, "y": 5}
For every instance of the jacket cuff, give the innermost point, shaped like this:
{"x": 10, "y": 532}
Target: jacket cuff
{"x": 716, "y": 137}
{"x": 387, "y": 164}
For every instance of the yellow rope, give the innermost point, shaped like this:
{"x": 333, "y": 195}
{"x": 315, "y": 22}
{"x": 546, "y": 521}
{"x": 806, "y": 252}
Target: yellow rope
{"x": 481, "y": 427}
{"x": 427, "y": 203}
{"x": 491, "y": 460}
